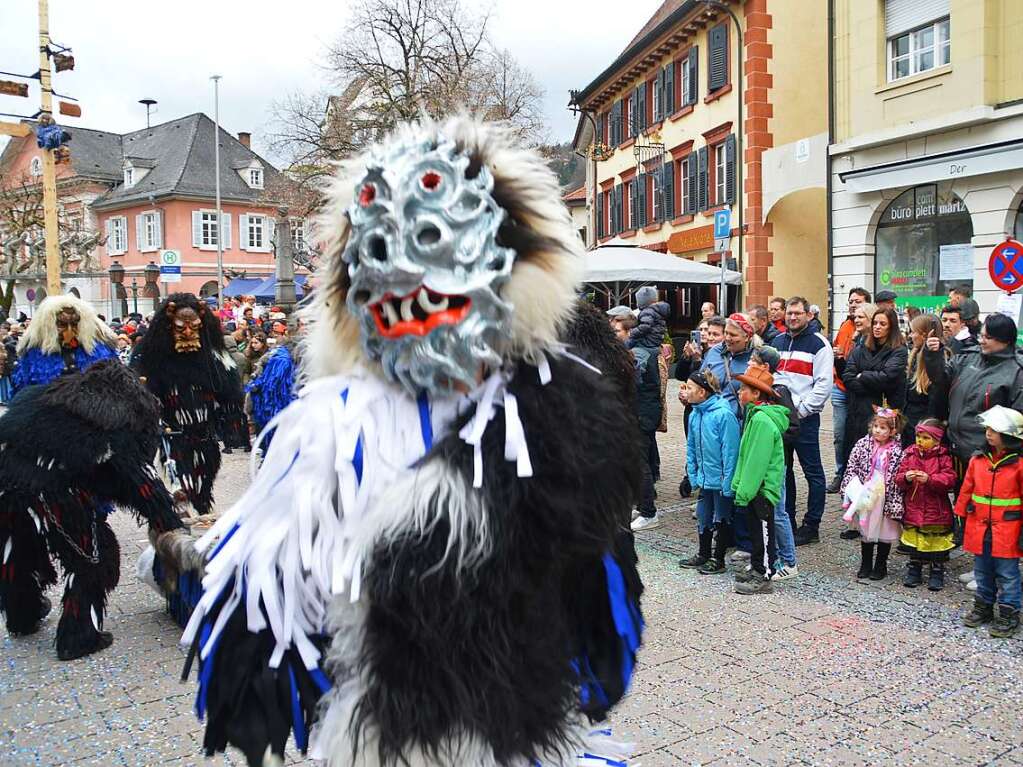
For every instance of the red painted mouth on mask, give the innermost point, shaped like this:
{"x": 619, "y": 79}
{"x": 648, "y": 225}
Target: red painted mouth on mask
{"x": 417, "y": 313}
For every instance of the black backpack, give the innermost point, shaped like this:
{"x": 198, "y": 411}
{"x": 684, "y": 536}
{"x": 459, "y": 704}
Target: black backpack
{"x": 791, "y": 434}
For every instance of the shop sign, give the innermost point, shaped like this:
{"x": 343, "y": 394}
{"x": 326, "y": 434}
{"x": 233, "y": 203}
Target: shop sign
{"x": 699, "y": 238}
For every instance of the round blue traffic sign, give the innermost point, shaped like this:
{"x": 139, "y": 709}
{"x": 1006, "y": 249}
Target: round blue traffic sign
{"x": 1006, "y": 266}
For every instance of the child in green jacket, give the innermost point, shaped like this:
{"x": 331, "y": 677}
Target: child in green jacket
{"x": 760, "y": 470}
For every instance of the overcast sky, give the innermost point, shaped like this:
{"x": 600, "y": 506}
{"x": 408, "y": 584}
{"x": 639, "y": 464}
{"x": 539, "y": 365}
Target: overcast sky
{"x": 125, "y": 51}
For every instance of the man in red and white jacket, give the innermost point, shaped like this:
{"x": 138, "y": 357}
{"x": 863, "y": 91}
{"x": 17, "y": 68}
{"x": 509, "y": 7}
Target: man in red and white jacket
{"x": 806, "y": 368}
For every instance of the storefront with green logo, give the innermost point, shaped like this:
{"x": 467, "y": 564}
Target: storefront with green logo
{"x": 923, "y": 246}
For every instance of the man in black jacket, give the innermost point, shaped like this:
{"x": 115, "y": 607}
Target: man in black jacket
{"x": 762, "y": 323}
{"x": 648, "y": 412}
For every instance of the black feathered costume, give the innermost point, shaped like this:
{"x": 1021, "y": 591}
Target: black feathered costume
{"x": 426, "y": 574}
{"x": 68, "y": 450}
{"x": 200, "y": 394}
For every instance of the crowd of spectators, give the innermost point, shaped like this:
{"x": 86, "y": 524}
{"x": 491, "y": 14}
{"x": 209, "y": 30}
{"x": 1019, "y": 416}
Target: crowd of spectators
{"x": 924, "y": 406}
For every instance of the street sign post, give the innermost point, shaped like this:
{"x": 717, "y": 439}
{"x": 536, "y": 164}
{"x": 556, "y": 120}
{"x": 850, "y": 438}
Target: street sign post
{"x": 170, "y": 266}
{"x": 722, "y": 240}
{"x": 1005, "y": 266}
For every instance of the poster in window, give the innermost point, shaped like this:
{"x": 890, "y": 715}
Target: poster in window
{"x": 956, "y": 261}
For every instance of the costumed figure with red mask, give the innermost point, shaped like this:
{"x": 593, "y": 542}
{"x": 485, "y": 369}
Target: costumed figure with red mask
{"x": 433, "y": 565}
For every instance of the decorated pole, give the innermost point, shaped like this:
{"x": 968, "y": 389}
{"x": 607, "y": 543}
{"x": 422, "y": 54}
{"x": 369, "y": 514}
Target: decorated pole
{"x": 52, "y": 231}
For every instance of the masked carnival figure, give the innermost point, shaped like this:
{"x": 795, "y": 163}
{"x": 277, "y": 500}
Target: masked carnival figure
{"x": 274, "y": 388}
{"x": 68, "y": 451}
{"x": 184, "y": 362}
{"x": 65, "y": 336}
{"x": 433, "y": 565}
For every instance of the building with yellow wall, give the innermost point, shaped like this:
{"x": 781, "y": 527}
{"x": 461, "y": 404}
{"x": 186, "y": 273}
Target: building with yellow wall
{"x": 927, "y": 155}
{"x": 661, "y": 125}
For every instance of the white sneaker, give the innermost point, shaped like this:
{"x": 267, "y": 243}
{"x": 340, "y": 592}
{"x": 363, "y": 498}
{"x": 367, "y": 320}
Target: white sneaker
{"x": 738, "y": 556}
{"x": 635, "y": 513}
{"x": 971, "y": 586}
{"x": 785, "y": 572}
{"x": 645, "y": 523}
{"x": 966, "y": 577}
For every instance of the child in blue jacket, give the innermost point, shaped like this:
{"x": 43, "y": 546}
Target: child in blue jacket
{"x": 712, "y": 449}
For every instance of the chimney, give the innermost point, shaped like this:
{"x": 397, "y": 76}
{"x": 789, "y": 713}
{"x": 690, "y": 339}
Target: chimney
{"x": 245, "y": 139}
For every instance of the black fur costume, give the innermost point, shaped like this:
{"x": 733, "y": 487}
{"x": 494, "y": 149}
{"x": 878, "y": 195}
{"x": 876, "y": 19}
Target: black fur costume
{"x": 200, "y": 394}
{"x": 66, "y": 450}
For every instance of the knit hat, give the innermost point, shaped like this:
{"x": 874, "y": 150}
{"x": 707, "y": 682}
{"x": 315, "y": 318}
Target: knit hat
{"x": 759, "y": 377}
{"x": 1004, "y": 420}
{"x": 969, "y": 309}
{"x": 645, "y": 296}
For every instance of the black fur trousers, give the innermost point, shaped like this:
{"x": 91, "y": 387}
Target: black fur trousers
{"x": 197, "y": 460}
{"x": 28, "y": 570}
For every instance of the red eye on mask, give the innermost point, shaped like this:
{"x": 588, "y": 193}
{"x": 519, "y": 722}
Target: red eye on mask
{"x": 430, "y": 181}
{"x": 367, "y": 194}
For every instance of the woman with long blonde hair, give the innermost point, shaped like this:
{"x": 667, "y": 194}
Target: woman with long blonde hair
{"x": 923, "y": 399}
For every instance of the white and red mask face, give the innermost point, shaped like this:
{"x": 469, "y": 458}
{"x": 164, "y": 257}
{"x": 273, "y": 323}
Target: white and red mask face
{"x": 187, "y": 328}
{"x": 67, "y": 328}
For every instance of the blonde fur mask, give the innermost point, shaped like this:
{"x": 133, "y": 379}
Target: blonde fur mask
{"x": 43, "y": 334}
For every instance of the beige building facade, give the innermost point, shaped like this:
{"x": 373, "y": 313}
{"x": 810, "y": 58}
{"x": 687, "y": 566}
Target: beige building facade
{"x": 927, "y": 156}
{"x": 661, "y": 127}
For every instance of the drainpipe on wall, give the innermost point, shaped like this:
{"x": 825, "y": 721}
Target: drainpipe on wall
{"x": 827, "y": 181}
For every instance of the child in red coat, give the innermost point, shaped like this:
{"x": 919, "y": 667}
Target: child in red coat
{"x": 926, "y": 477}
{"x": 992, "y": 502}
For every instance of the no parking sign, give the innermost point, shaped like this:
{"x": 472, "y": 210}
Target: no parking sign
{"x": 1006, "y": 266}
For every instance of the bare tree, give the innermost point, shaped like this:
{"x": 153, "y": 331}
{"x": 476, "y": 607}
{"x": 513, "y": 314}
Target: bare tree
{"x": 22, "y": 239}
{"x": 396, "y": 61}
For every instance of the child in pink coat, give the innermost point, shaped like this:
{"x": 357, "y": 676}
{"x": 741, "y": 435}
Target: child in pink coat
{"x": 926, "y": 477}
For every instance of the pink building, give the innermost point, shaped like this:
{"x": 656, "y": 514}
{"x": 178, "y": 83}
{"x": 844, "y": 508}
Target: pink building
{"x": 153, "y": 190}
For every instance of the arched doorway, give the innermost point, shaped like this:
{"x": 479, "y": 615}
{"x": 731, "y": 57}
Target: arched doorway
{"x": 923, "y": 244}
{"x": 208, "y": 289}
{"x": 1019, "y": 224}
{"x": 74, "y": 292}
{"x": 40, "y": 296}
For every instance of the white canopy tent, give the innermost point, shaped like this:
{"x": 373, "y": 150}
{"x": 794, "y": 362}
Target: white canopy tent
{"x": 617, "y": 268}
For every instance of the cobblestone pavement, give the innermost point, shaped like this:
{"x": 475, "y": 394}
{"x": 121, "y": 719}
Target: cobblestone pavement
{"x": 825, "y": 671}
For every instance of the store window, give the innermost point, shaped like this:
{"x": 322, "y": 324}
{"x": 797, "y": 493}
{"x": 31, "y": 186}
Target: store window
{"x": 923, "y": 245}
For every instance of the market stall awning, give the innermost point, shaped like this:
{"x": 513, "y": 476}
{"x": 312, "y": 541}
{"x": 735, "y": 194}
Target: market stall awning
{"x": 242, "y": 286}
{"x": 617, "y": 261}
{"x": 267, "y": 289}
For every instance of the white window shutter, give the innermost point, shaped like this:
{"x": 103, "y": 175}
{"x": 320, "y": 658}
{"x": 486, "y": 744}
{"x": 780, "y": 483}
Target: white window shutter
{"x": 196, "y": 228}
{"x": 271, "y": 230}
{"x": 124, "y": 233}
{"x": 140, "y": 242}
{"x": 109, "y": 225}
{"x": 159, "y": 230}
{"x": 903, "y": 15}
{"x": 243, "y": 231}
{"x": 226, "y": 226}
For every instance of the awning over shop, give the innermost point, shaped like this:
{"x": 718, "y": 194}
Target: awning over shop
{"x": 242, "y": 286}
{"x": 938, "y": 167}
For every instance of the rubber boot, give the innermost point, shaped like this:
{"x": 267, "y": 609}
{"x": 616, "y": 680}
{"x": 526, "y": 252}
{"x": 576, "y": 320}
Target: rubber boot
{"x": 914, "y": 574}
{"x": 981, "y": 613}
{"x": 866, "y": 560}
{"x": 936, "y": 581}
{"x": 1005, "y": 623}
{"x": 880, "y": 571}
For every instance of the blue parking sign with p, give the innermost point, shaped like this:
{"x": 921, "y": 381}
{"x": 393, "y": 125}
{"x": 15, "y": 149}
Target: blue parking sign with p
{"x": 722, "y": 224}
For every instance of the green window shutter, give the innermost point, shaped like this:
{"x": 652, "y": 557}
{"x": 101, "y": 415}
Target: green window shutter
{"x": 600, "y": 214}
{"x": 694, "y": 76}
{"x": 730, "y": 169}
{"x": 668, "y": 190}
{"x": 641, "y": 197}
{"x": 599, "y": 138}
{"x": 669, "y": 89}
{"x": 701, "y": 179}
{"x": 717, "y": 61}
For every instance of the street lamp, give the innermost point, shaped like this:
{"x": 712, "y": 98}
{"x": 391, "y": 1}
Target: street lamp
{"x": 116, "y": 273}
{"x": 152, "y": 289}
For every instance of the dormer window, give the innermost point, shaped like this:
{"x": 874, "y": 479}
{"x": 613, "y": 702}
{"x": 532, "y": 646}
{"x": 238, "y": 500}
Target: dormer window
{"x": 256, "y": 178}
{"x": 129, "y": 176}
